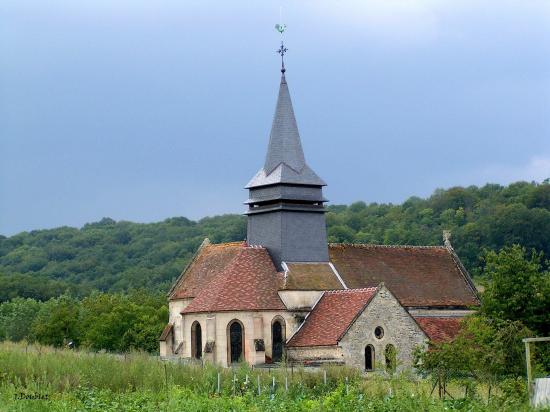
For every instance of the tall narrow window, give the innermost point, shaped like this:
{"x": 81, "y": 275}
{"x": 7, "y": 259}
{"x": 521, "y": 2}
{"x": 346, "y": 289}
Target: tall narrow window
{"x": 236, "y": 339}
{"x": 369, "y": 358}
{"x": 196, "y": 340}
{"x": 391, "y": 358}
{"x": 277, "y": 340}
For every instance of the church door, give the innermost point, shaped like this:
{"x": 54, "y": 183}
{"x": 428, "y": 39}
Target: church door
{"x": 236, "y": 341}
{"x": 277, "y": 341}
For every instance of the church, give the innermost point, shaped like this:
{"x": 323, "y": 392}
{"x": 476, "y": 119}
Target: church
{"x": 286, "y": 294}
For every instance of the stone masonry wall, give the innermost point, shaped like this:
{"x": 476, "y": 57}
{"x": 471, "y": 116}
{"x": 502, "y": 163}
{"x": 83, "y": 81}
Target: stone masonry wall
{"x": 314, "y": 353}
{"x": 400, "y": 330}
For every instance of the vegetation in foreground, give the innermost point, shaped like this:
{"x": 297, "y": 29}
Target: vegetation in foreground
{"x": 65, "y": 380}
{"x": 118, "y": 256}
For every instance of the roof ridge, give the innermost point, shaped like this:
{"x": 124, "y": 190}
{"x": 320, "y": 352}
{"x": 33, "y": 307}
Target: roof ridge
{"x": 223, "y": 244}
{"x": 372, "y": 245}
{"x": 307, "y": 263}
{"x": 370, "y": 289}
{"x": 254, "y": 247}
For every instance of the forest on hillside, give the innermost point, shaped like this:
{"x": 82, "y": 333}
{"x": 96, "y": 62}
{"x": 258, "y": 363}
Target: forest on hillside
{"x": 112, "y": 256}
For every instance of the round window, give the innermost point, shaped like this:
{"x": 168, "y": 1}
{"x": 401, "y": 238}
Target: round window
{"x": 379, "y": 332}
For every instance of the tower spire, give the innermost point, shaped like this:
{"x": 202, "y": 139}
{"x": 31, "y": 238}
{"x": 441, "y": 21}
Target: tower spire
{"x": 285, "y": 204}
{"x": 285, "y": 162}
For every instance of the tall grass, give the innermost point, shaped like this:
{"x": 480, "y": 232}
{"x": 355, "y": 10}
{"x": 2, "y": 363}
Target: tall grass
{"x": 78, "y": 380}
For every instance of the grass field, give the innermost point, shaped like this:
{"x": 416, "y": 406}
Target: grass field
{"x": 34, "y": 378}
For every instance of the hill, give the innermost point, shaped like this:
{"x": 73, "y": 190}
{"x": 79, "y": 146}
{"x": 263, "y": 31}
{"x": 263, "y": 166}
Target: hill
{"x": 118, "y": 256}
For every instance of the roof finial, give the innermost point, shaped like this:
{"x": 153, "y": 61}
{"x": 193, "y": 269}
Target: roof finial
{"x": 447, "y": 239}
{"x": 282, "y": 50}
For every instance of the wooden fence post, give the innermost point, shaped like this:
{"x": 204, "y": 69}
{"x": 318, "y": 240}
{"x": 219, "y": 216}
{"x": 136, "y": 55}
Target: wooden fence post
{"x": 166, "y": 381}
{"x": 528, "y": 361}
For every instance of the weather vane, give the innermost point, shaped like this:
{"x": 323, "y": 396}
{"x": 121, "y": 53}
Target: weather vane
{"x": 282, "y": 50}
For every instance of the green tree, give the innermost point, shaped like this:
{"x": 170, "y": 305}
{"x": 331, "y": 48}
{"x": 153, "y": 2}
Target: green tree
{"x": 540, "y": 197}
{"x": 341, "y": 234}
{"x": 518, "y": 288}
{"x": 485, "y": 350}
{"x": 57, "y": 322}
{"x": 120, "y": 322}
{"x": 16, "y": 318}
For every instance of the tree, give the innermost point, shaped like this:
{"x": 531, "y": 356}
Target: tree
{"x": 57, "y": 322}
{"x": 119, "y": 322}
{"x": 485, "y": 350}
{"x": 540, "y": 197}
{"x": 518, "y": 289}
{"x": 16, "y": 318}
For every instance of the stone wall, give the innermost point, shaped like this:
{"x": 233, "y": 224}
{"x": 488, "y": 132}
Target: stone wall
{"x": 214, "y": 326}
{"x": 400, "y": 330}
{"x": 314, "y": 353}
{"x": 174, "y": 313}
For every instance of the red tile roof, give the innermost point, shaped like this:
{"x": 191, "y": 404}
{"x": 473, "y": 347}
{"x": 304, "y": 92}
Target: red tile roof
{"x": 209, "y": 261}
{"x": 417, "y": 275}
{"x": 249, "y": 281}
{"x": 331, "y": 317}
{"x": 439, "y": 329}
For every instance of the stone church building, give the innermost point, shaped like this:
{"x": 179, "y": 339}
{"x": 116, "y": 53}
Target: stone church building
{"x": 285, "y": 293}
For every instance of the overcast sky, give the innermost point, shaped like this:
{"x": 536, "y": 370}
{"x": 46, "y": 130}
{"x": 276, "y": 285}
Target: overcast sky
{"x": 147, "y": 109}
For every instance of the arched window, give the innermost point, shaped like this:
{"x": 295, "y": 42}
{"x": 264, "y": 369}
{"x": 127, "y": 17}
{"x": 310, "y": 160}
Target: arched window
{"x": 196, "y": 340}
{"x": 391, "y": 358}
{"x": 235, "y": 339}
{"x": 277, "y": 339}
{"x": 369, "y": 358}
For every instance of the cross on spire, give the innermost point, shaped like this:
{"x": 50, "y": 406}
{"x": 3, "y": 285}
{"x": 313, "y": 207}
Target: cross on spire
{"x": 282, "y": 50}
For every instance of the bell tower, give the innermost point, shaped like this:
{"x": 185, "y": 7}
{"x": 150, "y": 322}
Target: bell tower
{"x": 285, "y": 206}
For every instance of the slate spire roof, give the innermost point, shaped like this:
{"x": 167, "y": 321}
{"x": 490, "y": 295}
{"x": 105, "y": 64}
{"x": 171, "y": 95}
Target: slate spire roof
{"x": 285, "y": 161}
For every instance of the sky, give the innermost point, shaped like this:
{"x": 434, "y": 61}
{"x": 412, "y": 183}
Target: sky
{"x": 142, "y": 110}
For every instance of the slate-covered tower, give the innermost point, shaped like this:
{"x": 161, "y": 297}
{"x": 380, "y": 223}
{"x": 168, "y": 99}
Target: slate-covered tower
{"x": 285, "y": 205}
